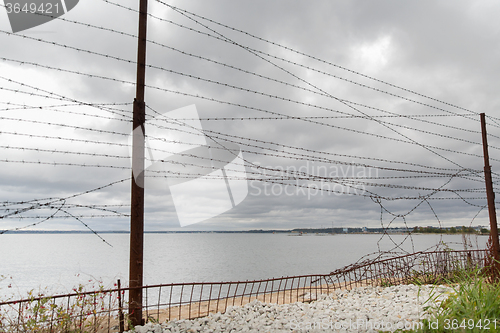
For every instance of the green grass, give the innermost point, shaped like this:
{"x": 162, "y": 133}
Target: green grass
{"x": 474, "y": 306}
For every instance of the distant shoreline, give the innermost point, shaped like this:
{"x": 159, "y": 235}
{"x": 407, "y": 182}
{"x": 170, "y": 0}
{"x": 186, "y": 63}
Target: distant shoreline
{"x": 293, "y": 232}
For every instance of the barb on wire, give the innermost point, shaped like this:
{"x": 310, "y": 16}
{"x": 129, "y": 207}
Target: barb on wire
{"x": 36, "y": 223}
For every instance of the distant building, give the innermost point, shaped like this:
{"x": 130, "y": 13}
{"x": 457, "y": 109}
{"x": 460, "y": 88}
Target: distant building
{"x": 397, "y": 230}
{"x": 346, "y": 230}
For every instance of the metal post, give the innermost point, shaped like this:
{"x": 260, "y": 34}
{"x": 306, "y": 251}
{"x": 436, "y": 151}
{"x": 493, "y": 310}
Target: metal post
{"x": 491, "y": 201}
{"x": 121, "y": 318}
{"x": 137, "y": 200}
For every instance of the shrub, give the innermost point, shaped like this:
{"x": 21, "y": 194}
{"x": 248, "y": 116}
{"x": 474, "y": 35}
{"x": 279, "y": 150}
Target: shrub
{"x": 473, "y": 306}
{"x": 81, "y": 312}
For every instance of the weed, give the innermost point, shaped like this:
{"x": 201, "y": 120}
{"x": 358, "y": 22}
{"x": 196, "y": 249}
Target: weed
{"x": 82, "y": 312}
{"x": 473, "y": 306}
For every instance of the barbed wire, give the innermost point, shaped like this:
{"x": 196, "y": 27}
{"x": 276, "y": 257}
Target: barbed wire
{"x": 403, "y": 217}
{"x": 424, "y": 200}
{"x": 87, "y": 226}
{"x": 336, "y": 117}
{"x": 353, "y": 116}
{"x": 92, "y": 216}
{"x": 104, "y": 105}
{"x": 52, "y": 151}
{"x": 32, "y": 224}
{"x": 205, "y": 132}
{"x": 253, "y": 51}
{"x": 239, "y": 142}
{"x": 307, "y": 175}
{"x": 49, "y": 94}
{"x": 288, "y": 174}
{"x": 91, "y": 129}
{"x": 224, "y": 39}
{"x": 318, "y": 88}
{"x": 410, "y": 141}
{"x": 292, "y": 174}
{"x": 317, "y": 59}
{"x": 469, "y": 174}
{"x": 131, "y": 35}
{"x": 295, "y": 157}
{"x": 308, "y": 119}
{"x": 121, "y": 133}
{"x": 428, "y": 132}
{"x": 51, "y": 203}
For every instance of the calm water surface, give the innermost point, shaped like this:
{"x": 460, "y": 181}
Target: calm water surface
{"x": 59, "y": 262}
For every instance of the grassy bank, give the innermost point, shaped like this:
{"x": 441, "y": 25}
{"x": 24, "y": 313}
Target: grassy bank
{"x": 474, "y": 306}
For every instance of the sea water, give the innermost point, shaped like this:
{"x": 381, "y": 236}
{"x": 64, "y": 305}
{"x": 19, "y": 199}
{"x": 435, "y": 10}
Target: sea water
{"x": 56, "y": 263}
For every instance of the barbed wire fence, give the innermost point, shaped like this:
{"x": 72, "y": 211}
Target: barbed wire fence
{"x": 66, "y": 137}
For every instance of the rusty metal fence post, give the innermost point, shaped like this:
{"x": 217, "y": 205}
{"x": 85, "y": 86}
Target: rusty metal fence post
{"x": 490, "y": 194}
{"x": 121, "y": 318}
{"x": 137, "y": 191}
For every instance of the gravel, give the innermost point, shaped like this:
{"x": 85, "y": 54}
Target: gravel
{"x": 364, "y": 309}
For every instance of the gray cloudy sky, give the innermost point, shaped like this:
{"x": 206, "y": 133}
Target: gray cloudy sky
{"x": 383, "y": 142}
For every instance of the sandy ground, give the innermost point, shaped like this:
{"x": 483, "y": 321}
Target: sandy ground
{"x": 204, "y": 308}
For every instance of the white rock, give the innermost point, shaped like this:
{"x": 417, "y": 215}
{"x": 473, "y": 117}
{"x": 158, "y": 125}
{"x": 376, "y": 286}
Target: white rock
{"x": 396, "y": 305}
